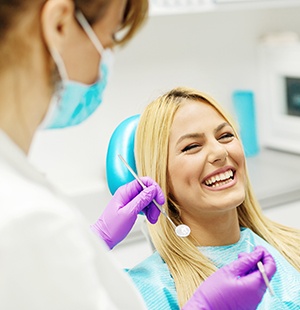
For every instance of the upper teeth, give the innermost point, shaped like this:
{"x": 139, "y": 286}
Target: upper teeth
{"x": 219, "y": 177}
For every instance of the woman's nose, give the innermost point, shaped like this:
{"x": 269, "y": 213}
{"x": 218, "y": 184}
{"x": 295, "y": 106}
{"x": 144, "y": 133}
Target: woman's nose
{"x": 217, "y": 152}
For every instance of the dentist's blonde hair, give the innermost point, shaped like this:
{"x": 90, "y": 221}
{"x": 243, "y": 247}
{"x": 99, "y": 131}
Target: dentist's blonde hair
{"x": 186, "y": 264}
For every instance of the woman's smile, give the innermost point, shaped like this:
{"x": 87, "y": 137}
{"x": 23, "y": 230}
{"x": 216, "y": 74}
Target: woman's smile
{"x": 220, "y": 179}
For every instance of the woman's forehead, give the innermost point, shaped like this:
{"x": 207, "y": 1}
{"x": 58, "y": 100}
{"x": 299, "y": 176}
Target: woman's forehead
{"x": 192, "y": 108}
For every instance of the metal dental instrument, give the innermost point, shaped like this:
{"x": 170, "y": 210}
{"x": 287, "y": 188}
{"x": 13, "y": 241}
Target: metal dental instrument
{"x": 181, "y": 230}
{"x": 261, "y": 269}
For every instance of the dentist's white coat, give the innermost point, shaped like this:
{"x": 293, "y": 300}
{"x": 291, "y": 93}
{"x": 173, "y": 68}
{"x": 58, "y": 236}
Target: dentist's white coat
{"x": 49, "y": 259}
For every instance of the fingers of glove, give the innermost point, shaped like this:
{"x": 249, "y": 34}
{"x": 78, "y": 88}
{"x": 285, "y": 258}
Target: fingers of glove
{"x": 266, "y": 259}
{"x": 152, "y": 213}
{"x": 127, "y": 192}
{"x": 159, "y": 197}
{"x": 242, "y": 254}
{"x": 246, "y": 263}
{"x": 268, "y": 262}
{"x": 141, "y": 201}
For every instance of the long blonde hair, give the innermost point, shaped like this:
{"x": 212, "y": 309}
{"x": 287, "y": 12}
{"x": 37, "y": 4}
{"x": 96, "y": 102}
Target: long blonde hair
{"x": 187, "y": 265}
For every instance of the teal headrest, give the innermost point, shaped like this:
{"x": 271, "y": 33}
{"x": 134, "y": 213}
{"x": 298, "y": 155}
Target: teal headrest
{"x": 121, "y": 142}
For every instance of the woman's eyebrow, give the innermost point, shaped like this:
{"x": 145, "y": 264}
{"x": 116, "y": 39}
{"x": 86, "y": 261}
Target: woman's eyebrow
{"x": 221, "y": 126}
{"x": 190, "y": 135}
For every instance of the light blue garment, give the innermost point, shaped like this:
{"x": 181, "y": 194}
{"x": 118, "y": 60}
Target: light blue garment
{"x": 153, "y": 279}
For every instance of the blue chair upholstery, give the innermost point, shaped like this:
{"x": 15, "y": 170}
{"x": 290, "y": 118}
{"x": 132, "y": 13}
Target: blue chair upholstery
{"x": 121, "y": 142}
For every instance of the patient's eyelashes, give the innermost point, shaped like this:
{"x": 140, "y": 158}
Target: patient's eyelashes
{"x": 191, "y": 147}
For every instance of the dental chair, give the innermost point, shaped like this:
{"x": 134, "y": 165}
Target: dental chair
{"x": 122, "y": 142}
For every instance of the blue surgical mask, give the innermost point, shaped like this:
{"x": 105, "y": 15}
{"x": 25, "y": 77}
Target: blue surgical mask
{"x": 74, "y": 102}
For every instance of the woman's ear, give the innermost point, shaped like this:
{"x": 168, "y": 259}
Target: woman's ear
{"x": 56, "y": 17}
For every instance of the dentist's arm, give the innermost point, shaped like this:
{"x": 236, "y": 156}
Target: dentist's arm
{"x": 121, "y": 213}
{"x": 238, "y": 285}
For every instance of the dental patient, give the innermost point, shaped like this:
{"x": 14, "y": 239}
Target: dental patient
{"x": 190, "y": 147}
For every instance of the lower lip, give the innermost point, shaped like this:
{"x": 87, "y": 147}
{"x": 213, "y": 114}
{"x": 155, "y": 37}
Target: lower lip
{"x": 222, "y": 187}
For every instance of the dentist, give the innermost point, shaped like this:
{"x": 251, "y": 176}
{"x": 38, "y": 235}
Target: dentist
{"x": 53, "y": 70}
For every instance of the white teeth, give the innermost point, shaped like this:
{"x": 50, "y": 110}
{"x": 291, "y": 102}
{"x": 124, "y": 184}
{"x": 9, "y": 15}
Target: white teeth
{"x": 224, "y": 177}
{"x": 221, "y": 183}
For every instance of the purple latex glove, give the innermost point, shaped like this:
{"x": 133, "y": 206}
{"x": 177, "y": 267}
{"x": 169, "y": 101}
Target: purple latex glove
{"x": 238, "y": 285}
{"x": 121, "y": 213}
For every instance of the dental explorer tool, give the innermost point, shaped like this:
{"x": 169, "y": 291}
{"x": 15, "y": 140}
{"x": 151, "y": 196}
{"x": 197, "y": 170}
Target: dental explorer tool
{"x": 262, "y": 270}
{"x": 181, "y": 230}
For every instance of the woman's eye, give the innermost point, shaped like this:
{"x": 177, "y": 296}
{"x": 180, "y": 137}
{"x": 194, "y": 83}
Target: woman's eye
{"x": 190, "y": 147}
{"x": 227, "y": 136}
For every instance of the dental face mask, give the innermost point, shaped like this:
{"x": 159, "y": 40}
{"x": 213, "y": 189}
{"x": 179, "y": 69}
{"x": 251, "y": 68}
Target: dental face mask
{"x": 74, "y": 102}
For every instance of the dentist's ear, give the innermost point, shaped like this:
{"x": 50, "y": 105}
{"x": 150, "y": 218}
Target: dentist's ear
{"x": 56, "y": 18}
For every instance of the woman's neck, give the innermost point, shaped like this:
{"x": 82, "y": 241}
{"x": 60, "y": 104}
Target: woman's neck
{"x": 219, "y": 229}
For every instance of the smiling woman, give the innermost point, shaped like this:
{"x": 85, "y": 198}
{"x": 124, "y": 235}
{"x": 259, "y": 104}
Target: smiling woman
{"x": 189, "y": 146}
{"x": 203, "y": 152}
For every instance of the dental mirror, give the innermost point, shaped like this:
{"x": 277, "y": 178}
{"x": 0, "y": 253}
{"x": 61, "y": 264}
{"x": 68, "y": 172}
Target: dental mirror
{"x": 181, "y": 230}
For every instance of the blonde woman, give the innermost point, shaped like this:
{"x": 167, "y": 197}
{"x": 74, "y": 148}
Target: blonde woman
{"x": 189, "y": 146}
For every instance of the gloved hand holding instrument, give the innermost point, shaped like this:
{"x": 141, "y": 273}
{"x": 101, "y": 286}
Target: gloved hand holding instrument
{"x": 236, "y": 286}
{"x": 121, "y": 213}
